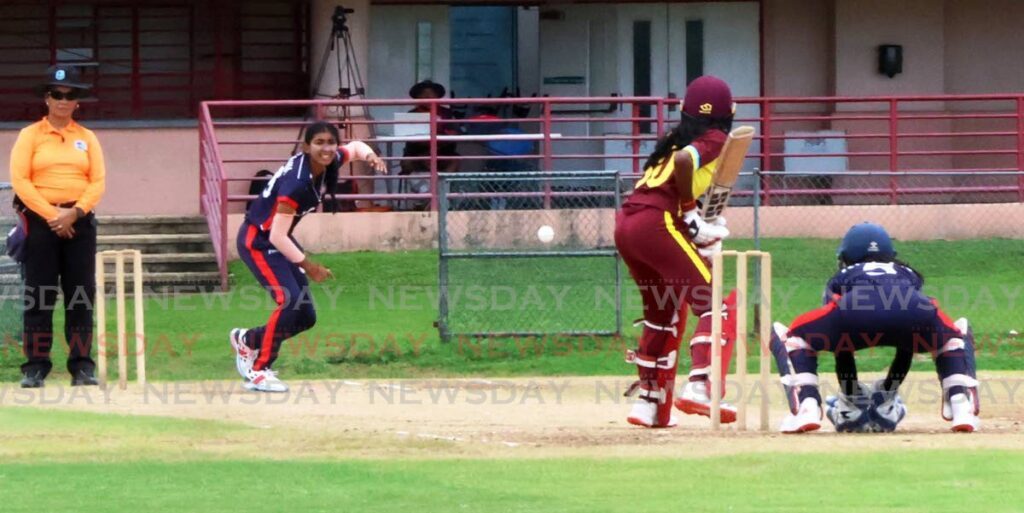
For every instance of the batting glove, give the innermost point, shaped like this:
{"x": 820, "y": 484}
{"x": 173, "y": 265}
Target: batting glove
{"x": 702, "y": 232}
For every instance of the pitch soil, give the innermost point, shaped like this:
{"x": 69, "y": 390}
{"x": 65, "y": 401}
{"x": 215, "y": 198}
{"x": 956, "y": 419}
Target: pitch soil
{"x": 509, "y": 418}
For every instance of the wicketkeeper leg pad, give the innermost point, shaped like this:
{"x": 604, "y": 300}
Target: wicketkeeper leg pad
{"x": 955, "y": 363}
{"x": 777, "y": 346}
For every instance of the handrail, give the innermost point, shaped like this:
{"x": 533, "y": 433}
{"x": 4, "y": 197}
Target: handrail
{"x": 213, "y": 191}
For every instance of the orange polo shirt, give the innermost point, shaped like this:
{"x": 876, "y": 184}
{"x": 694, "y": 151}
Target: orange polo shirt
{"x": 50, "y": 167}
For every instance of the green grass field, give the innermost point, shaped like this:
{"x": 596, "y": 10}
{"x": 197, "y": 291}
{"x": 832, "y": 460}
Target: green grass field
{"x": 61, "y": 461}
{"x": 376, "y": 319}
{"x": 746, "y": 484}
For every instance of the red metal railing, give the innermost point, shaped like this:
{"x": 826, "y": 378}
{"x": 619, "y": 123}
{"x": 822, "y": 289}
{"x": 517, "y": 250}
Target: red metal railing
{"x": 906, "y": 132}
{"x": 213, "y": 191}
{"x": 901, "y": 137}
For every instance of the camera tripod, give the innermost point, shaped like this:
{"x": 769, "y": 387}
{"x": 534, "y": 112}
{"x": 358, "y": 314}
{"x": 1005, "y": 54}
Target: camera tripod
{"x": 350, "y": 80}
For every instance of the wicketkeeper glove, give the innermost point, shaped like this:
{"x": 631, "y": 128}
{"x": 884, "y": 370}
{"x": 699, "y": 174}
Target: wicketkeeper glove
{"x": 887, "y": 409}
{"x": 849, "y": 413}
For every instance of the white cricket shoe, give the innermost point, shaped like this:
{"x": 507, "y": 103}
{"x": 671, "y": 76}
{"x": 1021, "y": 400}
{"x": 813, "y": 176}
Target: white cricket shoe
{"x": 264, "y": 381}
{"x": 645, "y": 413}
{"x": 695, "y": 401}
{"x": 964, "y": 419}
{"x": 807, "y": 418}
{"x": 244, "y": 355}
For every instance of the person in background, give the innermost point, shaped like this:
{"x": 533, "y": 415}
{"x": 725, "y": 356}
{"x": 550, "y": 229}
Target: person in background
{"x": 427, "y": 90}
{"x": 58, "y": 176}
{"x": 420, "y": 150}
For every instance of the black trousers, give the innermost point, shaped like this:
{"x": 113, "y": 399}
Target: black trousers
{"x": 54, "y": 264}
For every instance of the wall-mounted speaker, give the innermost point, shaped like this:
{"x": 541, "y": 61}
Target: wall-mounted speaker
{"x": 890, "y": 60}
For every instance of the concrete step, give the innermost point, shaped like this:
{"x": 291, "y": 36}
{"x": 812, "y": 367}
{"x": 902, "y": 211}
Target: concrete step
{"x": 166, "y": 277}
{"x": 137, "y": 225}
{"x": 167, "y": 282}
{"x": 153, "y": 263}
{"x": 177, "y": 254}
{"x": 8, "y": 266}
{"x": 171, "y": 262}
{"x": 142, "y": 225}
{"x": 10, "y": 285}
{"x": 152, "y": 244}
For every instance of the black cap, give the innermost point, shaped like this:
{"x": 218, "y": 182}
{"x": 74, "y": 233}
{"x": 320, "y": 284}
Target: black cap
{"x": 416, "y": 90}
{"x": 62, "y": 75}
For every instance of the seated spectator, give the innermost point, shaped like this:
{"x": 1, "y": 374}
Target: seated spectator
{"x": 423, "y": 91}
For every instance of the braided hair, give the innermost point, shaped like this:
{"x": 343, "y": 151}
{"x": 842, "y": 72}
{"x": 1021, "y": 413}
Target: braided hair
{"x": 688, "y": 129}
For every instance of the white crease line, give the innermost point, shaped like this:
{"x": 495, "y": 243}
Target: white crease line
{"x": 439, "y": 437}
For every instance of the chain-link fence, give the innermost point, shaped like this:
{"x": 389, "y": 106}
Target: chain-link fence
{"x": 961, "y": 230}
{"x": 529, "y": 253}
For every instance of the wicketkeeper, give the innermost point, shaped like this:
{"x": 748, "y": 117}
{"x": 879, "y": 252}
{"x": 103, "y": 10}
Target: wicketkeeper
{"x": 874, "y": 300}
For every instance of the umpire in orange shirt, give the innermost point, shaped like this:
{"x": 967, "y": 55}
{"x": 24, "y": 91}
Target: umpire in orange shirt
{"x": 57, "y": 173}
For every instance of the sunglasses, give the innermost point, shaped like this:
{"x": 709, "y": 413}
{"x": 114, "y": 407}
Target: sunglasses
{"x": 57, "y": 95}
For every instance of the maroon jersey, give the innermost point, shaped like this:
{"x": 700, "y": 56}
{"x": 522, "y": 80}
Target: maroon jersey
{"x": 657, "y": 187}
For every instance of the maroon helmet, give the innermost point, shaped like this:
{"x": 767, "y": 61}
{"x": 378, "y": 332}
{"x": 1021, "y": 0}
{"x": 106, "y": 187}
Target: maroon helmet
{"x": 709, "y": 97}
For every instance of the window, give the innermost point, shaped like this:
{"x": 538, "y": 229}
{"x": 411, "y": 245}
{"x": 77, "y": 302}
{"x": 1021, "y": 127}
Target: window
{"x": 149, "y": 60}
{"x": 642, "y": 67}
{"x": 694, "y": 49}
{"x": 424, "y": 51}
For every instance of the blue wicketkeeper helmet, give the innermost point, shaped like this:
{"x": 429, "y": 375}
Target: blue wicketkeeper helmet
{"x": 866, "y": 242}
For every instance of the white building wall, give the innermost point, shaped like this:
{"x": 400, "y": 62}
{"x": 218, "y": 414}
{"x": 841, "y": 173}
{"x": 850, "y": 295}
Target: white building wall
{"x": 862, "y": 25}
{"x": 392, "y": 68}
{"x": 983, "y": 46}
{"x": 528, "y": 50}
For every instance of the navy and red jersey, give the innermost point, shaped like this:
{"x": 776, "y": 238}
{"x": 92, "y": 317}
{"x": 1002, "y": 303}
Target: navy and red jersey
{"x": 657, "y": 188}
{"x": 877, "y": 285}
{"x": 293, "y": 185}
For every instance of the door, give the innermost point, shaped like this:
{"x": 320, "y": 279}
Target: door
{"x": 483, "y": 43}
{"x": 565, "y": 72}
{"x": 728, "y": 46}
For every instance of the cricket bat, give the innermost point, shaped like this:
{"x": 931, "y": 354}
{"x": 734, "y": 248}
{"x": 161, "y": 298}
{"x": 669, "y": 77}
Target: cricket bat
{"x": 730, "y": 162}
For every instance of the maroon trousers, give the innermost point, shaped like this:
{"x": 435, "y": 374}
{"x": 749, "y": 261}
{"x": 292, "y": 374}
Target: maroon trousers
{"x": 663, "y": 262}
{"x": 671, "y": 275}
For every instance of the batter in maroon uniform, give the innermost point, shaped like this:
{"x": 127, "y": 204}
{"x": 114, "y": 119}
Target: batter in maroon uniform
{"x": 665, "y": 243}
